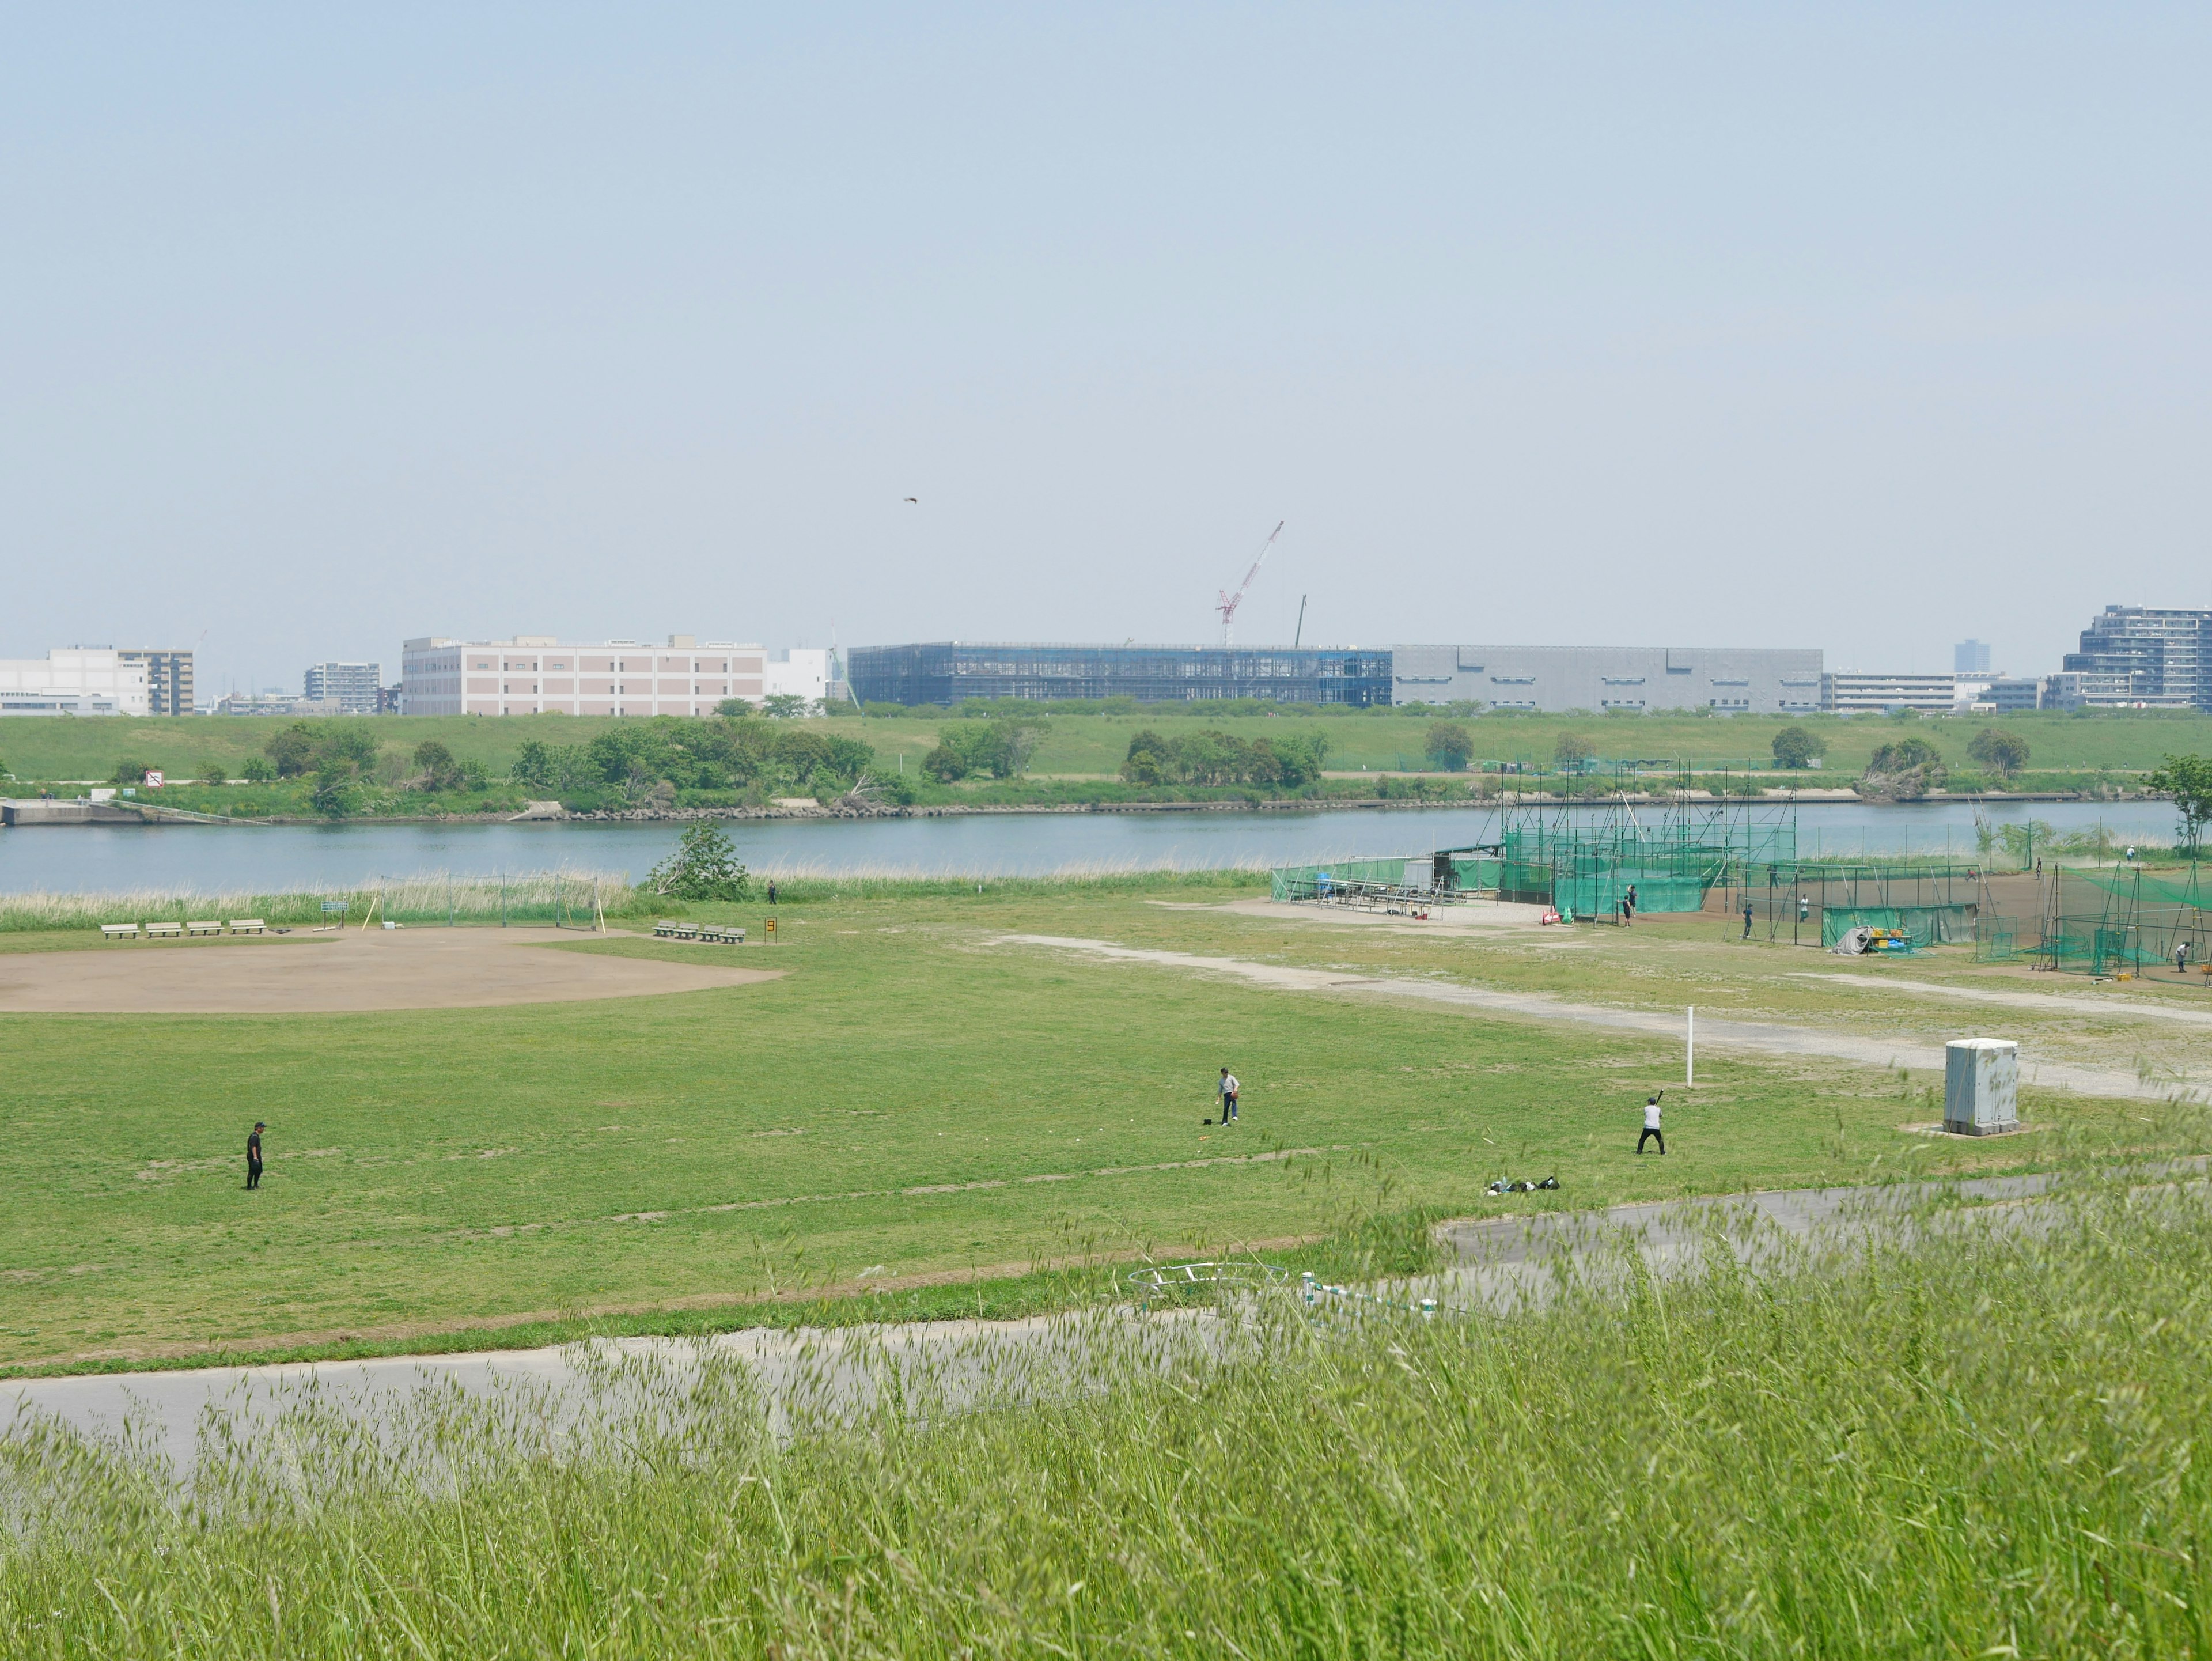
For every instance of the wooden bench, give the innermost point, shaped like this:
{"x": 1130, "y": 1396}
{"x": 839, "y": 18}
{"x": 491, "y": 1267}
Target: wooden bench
{"x": 203, "y": 927}
{"x": 246, "y": 925}
{"x": 165, "y": 931}
{"x": 119, "y": 931}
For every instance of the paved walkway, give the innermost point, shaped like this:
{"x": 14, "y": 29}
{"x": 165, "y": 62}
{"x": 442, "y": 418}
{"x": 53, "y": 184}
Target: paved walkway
{"x": 1504, "y": 1262}
{"x": 1714, "y": 1032}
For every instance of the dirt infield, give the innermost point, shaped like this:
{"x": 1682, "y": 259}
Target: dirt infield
{"x": 399, "y": 969}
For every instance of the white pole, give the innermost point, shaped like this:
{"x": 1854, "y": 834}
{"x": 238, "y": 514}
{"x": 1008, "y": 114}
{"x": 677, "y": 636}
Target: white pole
{"x": 1690, "y": 1051}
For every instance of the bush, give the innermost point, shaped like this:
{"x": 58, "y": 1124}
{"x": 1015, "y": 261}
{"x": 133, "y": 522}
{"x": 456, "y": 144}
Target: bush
{"x": 130, "y": 772}
{"x": 1571, "y": 750}
{"x": 1001, "y": 748}
{"x": 1996, "y": 748}
{"x": 1212, "y": 757}
{"x": 212, "y": 775}
{"x": 1795, "y": 747}
{"x": 257, "y": 770}
{"x": 704, "y": 867}
{"x": 1451, "y": 745}
{"x": 317, "y": 746}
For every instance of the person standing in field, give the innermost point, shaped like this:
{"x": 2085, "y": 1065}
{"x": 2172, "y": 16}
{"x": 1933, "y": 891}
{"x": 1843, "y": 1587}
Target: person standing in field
{"x": 1651, "y": 1132}
{"x": 1632, "y": 902}
{"x": 771, "y": 890}
{"x": 1746, "y": 919}
{"x": 1230, "y": 1088}
{"x": 2181, "y": 958}
{"x": 253, "y": 1154}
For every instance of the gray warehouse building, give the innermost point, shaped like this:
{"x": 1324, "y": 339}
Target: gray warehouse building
{"x": 1730, "y": 680}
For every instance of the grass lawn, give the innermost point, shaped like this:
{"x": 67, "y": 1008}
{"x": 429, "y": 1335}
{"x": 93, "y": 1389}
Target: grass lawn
{"x": 910, "y": 1105}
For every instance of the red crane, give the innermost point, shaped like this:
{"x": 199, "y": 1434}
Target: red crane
{"x": 1228, "y": 604}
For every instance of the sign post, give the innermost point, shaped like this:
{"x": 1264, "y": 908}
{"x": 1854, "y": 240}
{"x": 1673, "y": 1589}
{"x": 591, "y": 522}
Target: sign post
{"x": 154, "y": 778}
{"x": 771, "y": 931}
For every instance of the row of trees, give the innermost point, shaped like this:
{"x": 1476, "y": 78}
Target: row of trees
{"x": 998, "y": 749}
{"x": 1214, "y": 757}
{"x": 693, "y": 755}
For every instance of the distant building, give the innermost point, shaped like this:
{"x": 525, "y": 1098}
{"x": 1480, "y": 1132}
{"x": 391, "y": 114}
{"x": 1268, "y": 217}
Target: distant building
{"x": 168, "y": 678}
{"x": 1848, "y": 694}
{"x": 1971, "y": 657}
{"x": 812, "y": 672}
{"x": 1629, "y": 679}
{"x": 353, "y": 687}
{"x": 2011, "y": 697}
{"x": 948, "y": 672}
{"x": 276, "y": 703}
{"x": 2136, "y": 656}
{"x": 537, "y": 674}
{"x": 78, "y": 680}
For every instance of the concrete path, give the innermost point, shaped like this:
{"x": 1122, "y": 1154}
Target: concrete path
{"x": 1716, "y": 1032}
{"x": 1505, "y": 1262}
{"x": 2118, "y": 1006}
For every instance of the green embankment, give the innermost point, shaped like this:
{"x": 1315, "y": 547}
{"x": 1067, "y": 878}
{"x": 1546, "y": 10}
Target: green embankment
{"x": 1985, "y": 1447}
{"x": 910, "y": 1098}
{"x": 1094, "y": 745}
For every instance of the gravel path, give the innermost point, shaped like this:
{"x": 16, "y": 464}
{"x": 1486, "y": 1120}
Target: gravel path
{"x": 1771, "y": 1038}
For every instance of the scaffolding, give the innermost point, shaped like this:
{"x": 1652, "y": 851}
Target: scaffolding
{"x": 2126, "y": 921}
{"x": 1819, "y": 901}
{"x": 1582, "y": 857}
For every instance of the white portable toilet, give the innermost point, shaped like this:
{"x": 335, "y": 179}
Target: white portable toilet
{"x": 1981, "y": 1086}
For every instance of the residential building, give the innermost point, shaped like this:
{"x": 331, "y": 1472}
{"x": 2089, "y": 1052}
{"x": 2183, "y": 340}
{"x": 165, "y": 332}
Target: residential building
{"x": 1849, "y": 693}
{"x": 948, "y": 672}
{"x": 538, "y": 674}
{"x": 2165, "y": 657}
{"x": 1971, "y": 657}
{"x": 85, "y": 680}
{"x": 2011, "y": 697}
{"x": 168, "y": 678}
{"x": 2077, "y": 689}
{"x": 1629, "y": 679}
{"x": 353, "y": 686}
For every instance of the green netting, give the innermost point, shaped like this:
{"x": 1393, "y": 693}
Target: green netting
{"x": 2122, "y": 922}
{"x": 1306, "y": 882}
{"x": 1476, "y": 873}
{"x": 1927, "y": 925}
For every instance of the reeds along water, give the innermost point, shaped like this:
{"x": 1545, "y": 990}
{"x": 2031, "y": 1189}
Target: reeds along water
{"x": 424, "y": 897}
{"x": 1972, "y": 1438}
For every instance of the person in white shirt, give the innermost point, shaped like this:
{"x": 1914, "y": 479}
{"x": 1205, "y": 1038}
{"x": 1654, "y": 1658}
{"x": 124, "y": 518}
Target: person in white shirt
{"x": 1229, "y": 1089}
{"x": 1651, "y": 1125}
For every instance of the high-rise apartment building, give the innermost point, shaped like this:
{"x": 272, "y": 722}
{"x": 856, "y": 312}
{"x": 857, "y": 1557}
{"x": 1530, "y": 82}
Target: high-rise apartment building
{"x": 2135, "y": 654}
{"x": 1971, "y": 657}
{"x": 168, "y": 678}
{"x": 537, "y": 674}
{"x": 352, "y": 686}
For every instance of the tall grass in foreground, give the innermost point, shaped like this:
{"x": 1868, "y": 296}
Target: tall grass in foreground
{"x": 1984, "y": 1447}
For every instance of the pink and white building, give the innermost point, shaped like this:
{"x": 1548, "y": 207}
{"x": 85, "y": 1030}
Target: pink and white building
{"x": 536, "y": 674}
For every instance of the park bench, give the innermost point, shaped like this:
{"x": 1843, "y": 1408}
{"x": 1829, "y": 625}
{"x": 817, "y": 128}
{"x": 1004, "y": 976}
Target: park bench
{"x": 119, "y": 931}
{"x": 722, "y": 936}
{"x": 246, "y": 925}
{"x": 663, "y": 929}
{"x": 165, "y": 931}
{"x": 203, "y": 926}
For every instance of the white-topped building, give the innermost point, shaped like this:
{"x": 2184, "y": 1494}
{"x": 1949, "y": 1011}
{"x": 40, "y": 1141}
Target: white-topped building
{"x": 538, "y": 674}
{"x": 81, "y": 680}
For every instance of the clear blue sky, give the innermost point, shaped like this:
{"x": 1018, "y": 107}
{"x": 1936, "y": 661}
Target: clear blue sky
{"x": 1870, "y": 329}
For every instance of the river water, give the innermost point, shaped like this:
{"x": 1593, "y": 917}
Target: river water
{"x": 267, "y": 859}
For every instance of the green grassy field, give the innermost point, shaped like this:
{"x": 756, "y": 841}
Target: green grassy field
{"x": 1095, "y": 744}
{"x": 1985, "y": 1447}
{"x": 911, "y": 1106}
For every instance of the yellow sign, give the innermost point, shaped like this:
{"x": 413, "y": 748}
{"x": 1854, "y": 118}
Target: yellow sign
{"x": 771, "y": 925}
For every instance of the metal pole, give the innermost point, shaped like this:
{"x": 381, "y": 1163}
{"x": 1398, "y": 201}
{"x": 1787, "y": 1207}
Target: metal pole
{"x": 1690, "y": 1051}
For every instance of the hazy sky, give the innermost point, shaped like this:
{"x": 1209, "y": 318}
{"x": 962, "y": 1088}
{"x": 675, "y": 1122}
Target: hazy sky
{"x": 1870, "y": 329}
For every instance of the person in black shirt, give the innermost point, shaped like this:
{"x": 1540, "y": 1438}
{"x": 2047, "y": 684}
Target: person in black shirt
{"x": 254, "y": 1155}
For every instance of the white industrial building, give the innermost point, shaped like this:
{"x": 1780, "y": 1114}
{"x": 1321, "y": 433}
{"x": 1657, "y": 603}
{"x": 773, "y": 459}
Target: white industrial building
{"x": 538, "y": 674}
{"x": 81, "y": 680}
{"x": 813, "y": 672}
{"x": 1629, "y": 679}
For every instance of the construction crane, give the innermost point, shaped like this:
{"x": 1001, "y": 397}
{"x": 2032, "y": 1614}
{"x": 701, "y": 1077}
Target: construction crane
{"x": 1228, "y": 602}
